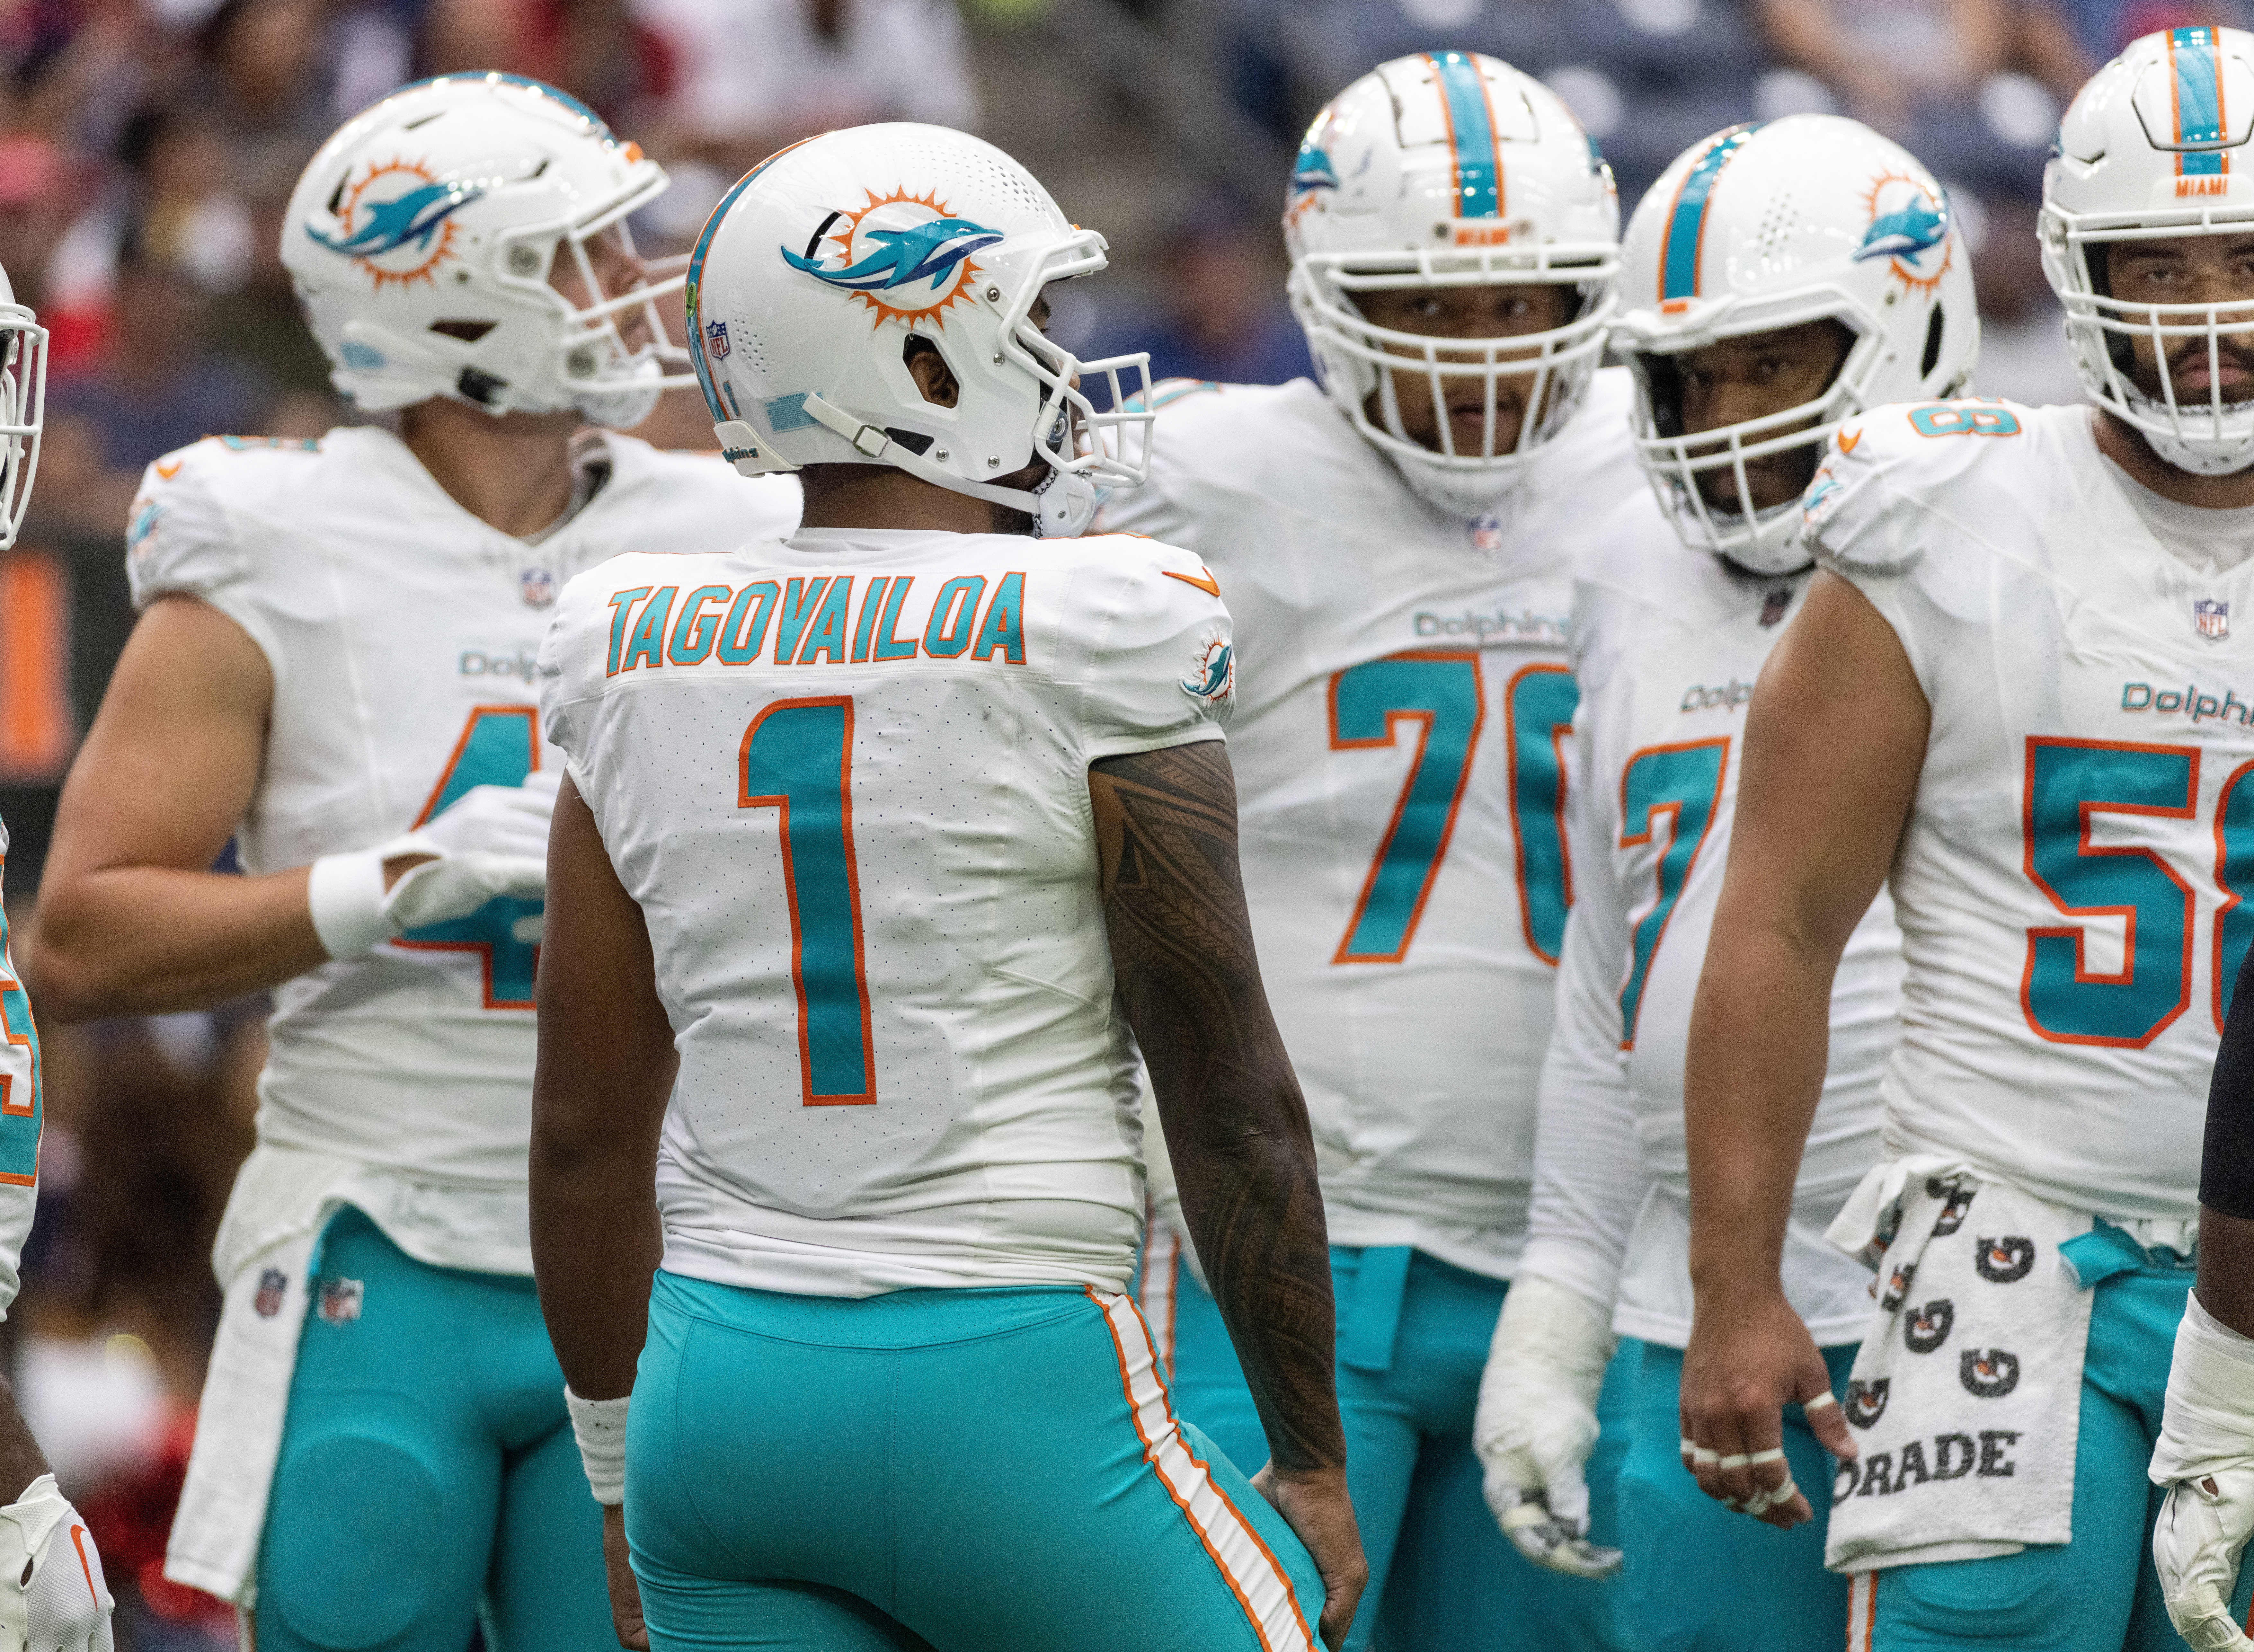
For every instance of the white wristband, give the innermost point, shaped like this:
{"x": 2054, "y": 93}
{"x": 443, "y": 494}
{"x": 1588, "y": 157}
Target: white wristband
{"x": 600, "y": 1428}
{"x": 344, "y": 893}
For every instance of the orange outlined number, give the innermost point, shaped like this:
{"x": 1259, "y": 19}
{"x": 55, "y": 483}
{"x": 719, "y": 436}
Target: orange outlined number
{"x": 21, "y": 1110}
{"x": 500, "y": 745}
{"x": 797, "y": 760}
{"x": 1442, "y": 694}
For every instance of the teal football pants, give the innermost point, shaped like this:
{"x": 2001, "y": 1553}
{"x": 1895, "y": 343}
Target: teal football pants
{"x": 428, "y": 1478}
{"x": 2099, "y": 1593}
{"x": 1698, "y": 1577}
{"x": 1412, "y": 1340}
{"x": 948, "y": 1470}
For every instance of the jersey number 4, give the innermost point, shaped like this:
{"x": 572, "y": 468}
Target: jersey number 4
{"x": 2069, "y": 785}
{"x": 1443, "y": 694}
{"x": 20, "y": 1110}
{"x": 797, "y": 760}
{"x": 499, "y": 747}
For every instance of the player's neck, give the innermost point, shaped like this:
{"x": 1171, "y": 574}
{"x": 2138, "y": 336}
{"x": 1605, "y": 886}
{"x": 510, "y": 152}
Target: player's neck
{"x": 878, "y": 496}
{"x": 512, "y": 474}
{"x": 2128, "y": 450}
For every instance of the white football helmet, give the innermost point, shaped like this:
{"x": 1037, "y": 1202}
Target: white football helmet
{"x": 2154, "y": 147}
{"x": 421, "y": 238}
{"x": 833, "y": 259}
{"x": 1770, "y": 225}
{"x": 23, "y": 407}
{"x": 1451, "y": 170}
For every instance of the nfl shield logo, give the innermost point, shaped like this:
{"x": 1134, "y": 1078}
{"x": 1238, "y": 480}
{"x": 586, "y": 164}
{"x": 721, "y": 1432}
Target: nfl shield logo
{"x": 273, "y": 1284}
{"x": 538, "y": 586}
{"x": 340, "y": 1300}
{"x": 2213, "y": 619}
{"x": 716, "y": 336}
{"x": 1485, "y": 532}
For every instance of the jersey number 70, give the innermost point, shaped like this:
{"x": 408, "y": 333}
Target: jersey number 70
{"x": 1443, "y": 694}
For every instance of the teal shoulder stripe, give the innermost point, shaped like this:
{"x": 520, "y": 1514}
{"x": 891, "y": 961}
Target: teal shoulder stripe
{"x": 2198, "y": 99}
{"x": 1471, "y": 136}
{"x": 1686, "y": 221}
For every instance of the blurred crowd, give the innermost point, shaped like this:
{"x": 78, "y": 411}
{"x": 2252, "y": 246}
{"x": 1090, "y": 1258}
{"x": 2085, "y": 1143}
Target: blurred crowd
{"x": 147, "y": 153}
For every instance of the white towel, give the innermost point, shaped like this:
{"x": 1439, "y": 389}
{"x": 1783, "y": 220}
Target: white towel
{"x": 1966, "y": 1394}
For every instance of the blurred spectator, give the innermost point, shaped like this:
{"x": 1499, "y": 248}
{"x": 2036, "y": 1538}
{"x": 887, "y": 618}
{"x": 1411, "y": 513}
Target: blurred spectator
{"x": 154, "y": 384}
{"x": 2105, "y": 26}
{"x": 1221, "y": 313}
{"x": 757, "y": 74}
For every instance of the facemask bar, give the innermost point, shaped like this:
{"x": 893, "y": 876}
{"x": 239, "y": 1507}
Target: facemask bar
{"x": 1556, "y": 361}
{"x": 617, "y": 369}
{"x": 1112, "y": 448}
{"x": 23, "y": 414}
{"x": 1674, "y": 464}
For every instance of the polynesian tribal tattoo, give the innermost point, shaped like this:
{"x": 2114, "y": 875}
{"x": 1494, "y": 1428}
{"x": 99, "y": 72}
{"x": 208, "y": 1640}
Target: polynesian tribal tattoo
{"x": 1244, "y": 1153}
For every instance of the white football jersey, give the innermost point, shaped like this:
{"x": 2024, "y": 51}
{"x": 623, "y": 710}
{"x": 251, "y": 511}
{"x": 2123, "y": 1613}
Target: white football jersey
{"x": 845, "y": 776}
{"x": 402, "y": 632}
{"x": 1404, "y": 707}
{"x": 2069, "y": 883}
{"x": 1667, "y": 644}
{"x": 23, "y": 1112}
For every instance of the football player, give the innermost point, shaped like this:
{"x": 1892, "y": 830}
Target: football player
{"x": 53, "y": 1595}
{"x": 876, "y": 843}
{"x": 1396, "y": 546}
{"x": 1750, "y": 348}
{"x": 2016, "y": 690}
{"x": 333, "y": 665}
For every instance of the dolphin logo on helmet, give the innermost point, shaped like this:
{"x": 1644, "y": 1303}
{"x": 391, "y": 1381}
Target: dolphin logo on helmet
{"x": 415, "y": 216}
{"x": 1905, "y": 232}
{"x": 928, "y": 252}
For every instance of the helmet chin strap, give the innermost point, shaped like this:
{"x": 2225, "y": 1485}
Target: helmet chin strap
{"x": 1059, "y": 512}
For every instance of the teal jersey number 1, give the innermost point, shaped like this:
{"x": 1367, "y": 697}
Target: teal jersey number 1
{"x": 797, "y": 758}
{"x": 22, "y": 1111}
{"x": 499, "y": 747}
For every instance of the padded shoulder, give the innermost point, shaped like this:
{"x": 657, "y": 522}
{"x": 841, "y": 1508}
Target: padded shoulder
{"x": 1892, "y": 473}
{"x": 180, "y": 536}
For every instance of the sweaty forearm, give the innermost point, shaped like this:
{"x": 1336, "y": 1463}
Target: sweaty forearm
{"x": 1244, "y": 1154}
{"x": 146, "y": 940}
{"x": 1760, "y": 1038}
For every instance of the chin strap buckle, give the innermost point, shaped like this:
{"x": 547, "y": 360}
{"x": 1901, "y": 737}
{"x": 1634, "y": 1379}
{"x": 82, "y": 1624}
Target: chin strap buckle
{"x": 866, "y": 438}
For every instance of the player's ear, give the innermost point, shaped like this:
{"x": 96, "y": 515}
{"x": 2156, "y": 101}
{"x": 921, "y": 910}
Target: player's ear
{"x": 929, "y": 369}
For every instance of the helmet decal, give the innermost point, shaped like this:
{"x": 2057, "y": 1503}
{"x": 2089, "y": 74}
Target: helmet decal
{"x": 1907, "y": 222}
{"x": 2195, "y": 104}
{"x": 1471, "y": 134}
{"x": 1313, "y": 170}
{"x": 910, "y": 248}
{"x": 397, "y": 223}
{"x": 1686, "y": 222}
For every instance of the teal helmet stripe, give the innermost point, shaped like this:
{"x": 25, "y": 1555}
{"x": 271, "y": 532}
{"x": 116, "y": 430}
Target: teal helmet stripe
{"x": 2198, "y": 99}
{"x": 1471, "y": 135}
{"x": 693, "y": 286}
{"x": 1686, "y": 221}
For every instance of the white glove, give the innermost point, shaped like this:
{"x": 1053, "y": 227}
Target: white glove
{"x": 490, "y": 842}
{"x": 2206, "y": 1459}
{"x": 52, "y": 1597}
{"x": 1538, "y": 1422}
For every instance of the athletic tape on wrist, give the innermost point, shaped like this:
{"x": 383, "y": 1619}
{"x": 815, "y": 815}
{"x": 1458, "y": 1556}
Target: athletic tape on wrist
{"x": 344, "y": 894}
{"x": 600, "y": 1428}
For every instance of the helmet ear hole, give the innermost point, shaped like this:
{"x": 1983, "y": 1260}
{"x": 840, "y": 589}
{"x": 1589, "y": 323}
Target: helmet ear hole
{"x": 1932, "y": 356}
{"x": 928, "y": 369}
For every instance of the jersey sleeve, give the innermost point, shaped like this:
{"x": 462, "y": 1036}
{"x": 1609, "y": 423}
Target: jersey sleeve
{"x": 571, "y": 662}
{"x": 1876, "y": 512}
{"x": 1149, "y": 642}
{"x": 22, "y": 1110}
{"x": 180, "y": 540}
{"x": 1590, "y": 1178}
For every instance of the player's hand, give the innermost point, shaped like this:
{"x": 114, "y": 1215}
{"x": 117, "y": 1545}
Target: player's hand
{"x": 490, "y": 842}
{"x": 53, "y": 1595}
{"x": 1316, "y": 1508}
{"x": 626, "y": 1594}
{"x": 1749, "y": 1358}
{"x": 2197, "y": 1542}
{"x": 1537, "y": 1423}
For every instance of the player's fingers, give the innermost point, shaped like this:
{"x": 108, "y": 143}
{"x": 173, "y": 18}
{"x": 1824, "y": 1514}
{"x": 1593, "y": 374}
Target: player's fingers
{"x": 1827, "y": 1419}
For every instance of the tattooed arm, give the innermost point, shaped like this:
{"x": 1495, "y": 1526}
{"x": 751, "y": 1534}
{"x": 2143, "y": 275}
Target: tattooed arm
{"x": 1181, "y": 949}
